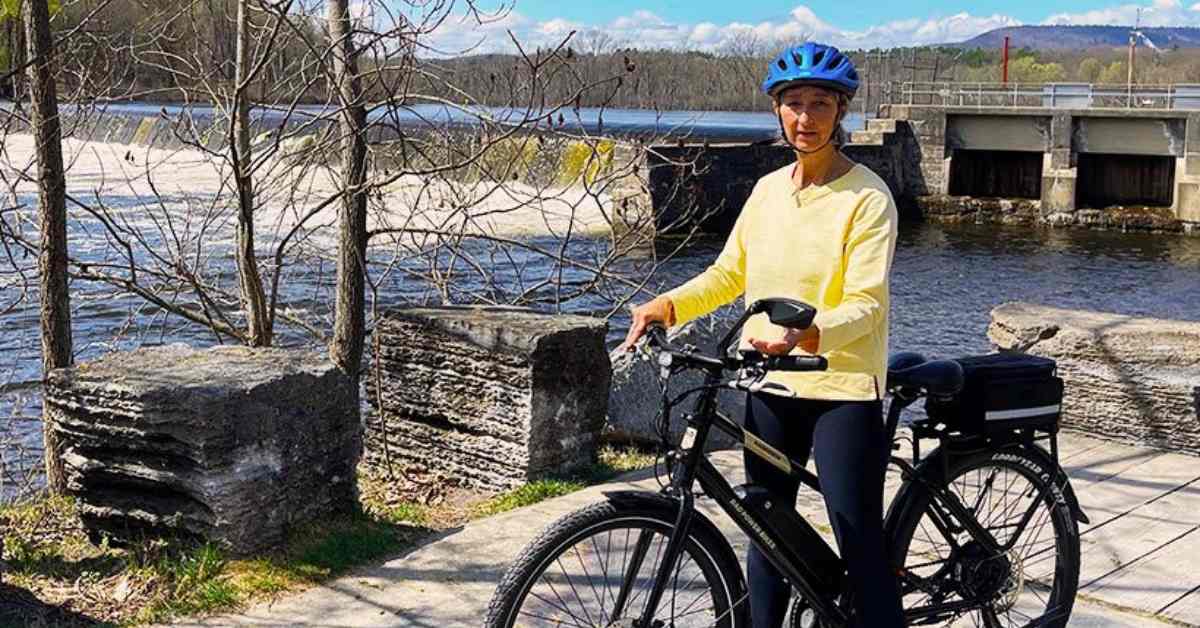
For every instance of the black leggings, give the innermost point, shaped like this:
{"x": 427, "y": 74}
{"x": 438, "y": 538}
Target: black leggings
{"x": 848, "y": 438}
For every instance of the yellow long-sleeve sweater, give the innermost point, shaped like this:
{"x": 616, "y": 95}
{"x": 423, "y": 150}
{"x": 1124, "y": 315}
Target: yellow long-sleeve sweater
{"x": 830, "y": 246}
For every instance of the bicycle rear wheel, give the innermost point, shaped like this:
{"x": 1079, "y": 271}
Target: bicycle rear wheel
{"x": 596, "y": 566}
{"x": 1032, "y": 582}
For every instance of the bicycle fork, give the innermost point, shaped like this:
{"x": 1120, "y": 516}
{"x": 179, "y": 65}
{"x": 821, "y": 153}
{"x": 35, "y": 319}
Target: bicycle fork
{"x": 667, "y": 566}
{"x": 682, "y": 486}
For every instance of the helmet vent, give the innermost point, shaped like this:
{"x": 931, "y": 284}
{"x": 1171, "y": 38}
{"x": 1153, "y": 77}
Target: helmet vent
{"x": 817, "y": 57}
{"x": 782, "y": 65}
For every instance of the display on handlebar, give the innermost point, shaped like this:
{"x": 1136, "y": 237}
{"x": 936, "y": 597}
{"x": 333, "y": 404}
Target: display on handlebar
{"x": 788, "y": 313}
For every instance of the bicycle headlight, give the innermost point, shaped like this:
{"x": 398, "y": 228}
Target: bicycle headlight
{"x": 665, "y": 360}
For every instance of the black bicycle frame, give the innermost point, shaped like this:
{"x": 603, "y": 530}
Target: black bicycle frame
{"x": 782, "y": 552}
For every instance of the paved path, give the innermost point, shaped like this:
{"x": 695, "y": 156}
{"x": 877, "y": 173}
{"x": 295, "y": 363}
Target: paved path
{"x": 1140, "y": 552}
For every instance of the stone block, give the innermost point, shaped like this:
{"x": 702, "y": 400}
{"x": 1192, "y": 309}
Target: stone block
{"x": 1061, "y": 131}
{"x": 489, "y": 397}
{"x": 883, "y": 125}
{"x": 869, "y": 137}
{"x": 1192, "y": 132}
{"x": 1058, "y": 159}
{"x": 1187, "y": 202}
{"x": 230, "y": 444}
{"x": 1058, "y": 190}
{"x": 635, "y": 399}
{"x": 1130, "y": 379}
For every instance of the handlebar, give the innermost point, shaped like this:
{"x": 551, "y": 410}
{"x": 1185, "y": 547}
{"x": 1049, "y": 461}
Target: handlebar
{"x": 657, "y": 335}
{"x": 786, "y": 362}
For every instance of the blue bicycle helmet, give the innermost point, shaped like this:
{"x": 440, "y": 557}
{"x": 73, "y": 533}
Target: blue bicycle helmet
{"x": 812, "y": 64}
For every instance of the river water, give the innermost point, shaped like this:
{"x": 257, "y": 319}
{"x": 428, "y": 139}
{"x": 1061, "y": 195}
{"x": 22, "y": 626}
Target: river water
{"x": 709, "y": 125}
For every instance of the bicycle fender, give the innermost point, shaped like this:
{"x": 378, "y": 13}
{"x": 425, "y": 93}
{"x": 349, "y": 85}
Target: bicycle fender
{"x": 935, "y": 462}
{"x": 1061, "y": 481}
{"x": 669, "y": 507}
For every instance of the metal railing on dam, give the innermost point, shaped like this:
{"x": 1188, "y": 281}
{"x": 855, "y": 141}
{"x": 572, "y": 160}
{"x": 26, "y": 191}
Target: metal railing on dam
{"x": 1178, "y": 96}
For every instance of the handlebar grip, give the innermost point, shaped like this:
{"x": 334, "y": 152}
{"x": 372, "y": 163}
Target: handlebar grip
{"x": 796, "y": 363}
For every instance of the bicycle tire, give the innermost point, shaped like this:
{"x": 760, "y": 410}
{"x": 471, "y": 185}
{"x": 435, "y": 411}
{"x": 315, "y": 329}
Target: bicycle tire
{"x": 706, "y": 548}
{"x": 1024, "y": 477}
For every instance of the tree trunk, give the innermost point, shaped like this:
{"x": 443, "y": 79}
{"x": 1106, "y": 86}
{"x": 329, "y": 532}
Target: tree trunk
{"x": 52, "y": 259}
{"x": 349, "y": 328}
{"x": 9, "y": 42}
{"x": 254, "y": 299}
{"x": 18, "y": 56}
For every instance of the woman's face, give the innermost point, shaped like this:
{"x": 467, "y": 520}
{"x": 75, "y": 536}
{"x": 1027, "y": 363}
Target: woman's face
{"x": 809, "y": 115}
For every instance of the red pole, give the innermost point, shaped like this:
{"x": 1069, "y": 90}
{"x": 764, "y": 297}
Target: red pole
{"x": 1004, "y": 67}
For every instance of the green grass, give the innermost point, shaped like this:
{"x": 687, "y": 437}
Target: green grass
{"x": 194, "y": 582}
{"x": 611, "y": 462}
{"x": 410, "y": 512}
{"x": 328, "y": 550}
{"x": 526, "y": 495}
{"x": 50, "y": 554}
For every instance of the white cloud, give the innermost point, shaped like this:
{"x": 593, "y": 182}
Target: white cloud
{"x": 558, "y": 27}
{"x": 1157, "y": 13}
{"x": 645, "y": 29}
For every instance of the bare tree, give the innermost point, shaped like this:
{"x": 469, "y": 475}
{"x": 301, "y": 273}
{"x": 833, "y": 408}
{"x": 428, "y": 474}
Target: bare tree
{"x": 52, "y": 260}
{"x": 349, "y": 329}
{"x": 253, "y": 298}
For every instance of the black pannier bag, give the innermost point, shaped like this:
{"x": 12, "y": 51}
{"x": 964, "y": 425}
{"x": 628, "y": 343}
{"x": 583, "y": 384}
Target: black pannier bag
{"x": 1002, "y": 392}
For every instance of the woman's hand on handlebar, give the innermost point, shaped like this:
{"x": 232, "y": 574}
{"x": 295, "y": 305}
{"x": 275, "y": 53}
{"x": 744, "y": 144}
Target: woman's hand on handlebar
{"x": 807, "y": 339}
{"x": 659, "y": 310}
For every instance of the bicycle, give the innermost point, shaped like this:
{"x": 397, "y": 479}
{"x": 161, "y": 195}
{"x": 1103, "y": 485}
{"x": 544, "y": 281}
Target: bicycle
{"x": 956, "y": 528}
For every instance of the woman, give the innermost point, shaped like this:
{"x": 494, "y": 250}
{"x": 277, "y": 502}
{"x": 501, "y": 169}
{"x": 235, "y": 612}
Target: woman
{"x": 821, "y": 230}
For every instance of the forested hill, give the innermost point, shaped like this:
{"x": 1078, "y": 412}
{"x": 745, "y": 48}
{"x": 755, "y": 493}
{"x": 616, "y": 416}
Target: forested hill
{"x": 1080, "y": 37}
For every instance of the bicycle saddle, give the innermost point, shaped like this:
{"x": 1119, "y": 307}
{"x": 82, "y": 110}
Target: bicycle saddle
{"x": 913, "y": 370}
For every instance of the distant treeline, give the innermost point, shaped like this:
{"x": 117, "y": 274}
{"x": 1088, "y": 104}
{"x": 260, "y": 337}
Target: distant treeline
{"x": 668, "y": 79}
{"x": 162, "y": 50}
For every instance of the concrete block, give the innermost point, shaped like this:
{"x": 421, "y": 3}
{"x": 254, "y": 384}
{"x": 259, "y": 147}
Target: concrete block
{"x": 1187, "y": 201}
{"x": 885, "y": 125}
{"x": 1192, "y": 132}
{"x": 1061, "y": 131}
{"x": 874, "y": 138}
{"x": 492, "y": 397}
{"x": 1058, "y": 191}
{"x": 230, "y": 444}
{"x": 1020, "y": 133}
{"x": 1060, "y": 159}
{"x": 1132, "y": 136}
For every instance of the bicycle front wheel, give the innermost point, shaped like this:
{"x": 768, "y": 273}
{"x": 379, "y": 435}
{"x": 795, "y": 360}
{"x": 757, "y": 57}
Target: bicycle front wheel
{"x": 596, "y": 567}
{"x": 948, "y": 577}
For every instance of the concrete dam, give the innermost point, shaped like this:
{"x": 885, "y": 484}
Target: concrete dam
{"x": 1115, "y": 168}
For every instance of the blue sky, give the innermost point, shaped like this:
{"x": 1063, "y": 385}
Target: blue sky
{"x": 718, "y": 24}
{"x": 850, "y": 15}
